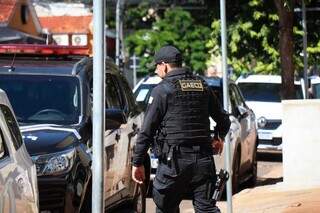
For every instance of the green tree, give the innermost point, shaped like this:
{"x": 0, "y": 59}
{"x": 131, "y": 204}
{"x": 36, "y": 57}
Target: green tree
{"x": 175, "y": 27}
{"x": 255, "y": 36}
{"x": 252, "y": 44}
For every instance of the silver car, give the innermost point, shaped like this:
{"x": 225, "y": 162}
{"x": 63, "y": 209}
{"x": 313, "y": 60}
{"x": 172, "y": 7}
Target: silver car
{"x": 18, "y": 177}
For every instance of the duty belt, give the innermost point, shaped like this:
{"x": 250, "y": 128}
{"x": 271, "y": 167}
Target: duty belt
{"x": 169, "y": 151}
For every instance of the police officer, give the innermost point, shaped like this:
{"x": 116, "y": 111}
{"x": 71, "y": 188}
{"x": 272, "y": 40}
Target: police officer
{"x": 178, "y": 117}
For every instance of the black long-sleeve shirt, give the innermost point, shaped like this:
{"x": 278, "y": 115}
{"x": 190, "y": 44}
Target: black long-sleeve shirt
{"x": 155, "y": 112}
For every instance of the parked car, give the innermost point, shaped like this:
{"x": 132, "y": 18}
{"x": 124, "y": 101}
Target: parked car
{"x": 243, "y": 134}
{"x": 18, "y": 177}
{"x": 262, "y": 95}
{"x": 52, "y": 97}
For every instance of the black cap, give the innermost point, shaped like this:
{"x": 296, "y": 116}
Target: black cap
{"x": 168, "y": 54}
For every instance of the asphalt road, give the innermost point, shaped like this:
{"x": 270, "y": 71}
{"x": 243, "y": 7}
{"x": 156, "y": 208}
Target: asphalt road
{"x": 269, "y": 172}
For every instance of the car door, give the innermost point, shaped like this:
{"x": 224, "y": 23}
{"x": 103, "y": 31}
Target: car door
{"x": 113, "y": 146}
{"x": 239, "y": 112}
{"x": 251, "y": 132}
{"x": 7, "y": 200}
{"x": 130, "y": 132}
{"x": 16, "y": 191}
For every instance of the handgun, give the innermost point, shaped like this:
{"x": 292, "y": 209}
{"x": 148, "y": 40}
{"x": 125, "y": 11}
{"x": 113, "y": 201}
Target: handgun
{"x": 222, "y": 178}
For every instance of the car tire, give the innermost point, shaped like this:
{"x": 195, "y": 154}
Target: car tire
{"x": 235, "y": 172}
{"x": 254, "y": 169}
{"x": 139, "y": 202}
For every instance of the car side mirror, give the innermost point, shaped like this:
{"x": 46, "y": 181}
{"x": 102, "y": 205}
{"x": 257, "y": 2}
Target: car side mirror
{"x": 242, "y": 111}
{"x": 114, "y": 118}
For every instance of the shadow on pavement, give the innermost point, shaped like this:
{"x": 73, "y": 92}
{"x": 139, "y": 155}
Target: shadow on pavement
{"x": 268, "y": 181}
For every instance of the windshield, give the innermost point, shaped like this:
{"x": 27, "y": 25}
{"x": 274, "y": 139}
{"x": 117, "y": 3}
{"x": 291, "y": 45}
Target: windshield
{"x": 265, "y": 92}
{"x": 142, "y": 94}
{"x": 40, "y": 99}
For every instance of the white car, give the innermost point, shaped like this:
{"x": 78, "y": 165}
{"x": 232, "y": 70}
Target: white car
{"x": 262, "y": 95}
{"x": 18, "y": 176}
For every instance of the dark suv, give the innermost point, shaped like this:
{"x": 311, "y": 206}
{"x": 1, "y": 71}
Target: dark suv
{"x": 52, "y": 99}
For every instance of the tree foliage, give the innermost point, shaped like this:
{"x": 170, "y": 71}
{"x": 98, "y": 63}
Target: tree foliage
{"x": 253, "y": 37}
{"x": 252, "y": 41}
{"x": 175, "y": 27}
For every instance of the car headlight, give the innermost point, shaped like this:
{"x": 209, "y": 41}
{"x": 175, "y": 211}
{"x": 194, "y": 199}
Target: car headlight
{"x": 262, "y": 122}
{"x": 54, "y": 164}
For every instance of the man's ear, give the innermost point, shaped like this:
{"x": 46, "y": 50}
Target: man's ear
{"x": 166, "y": 69}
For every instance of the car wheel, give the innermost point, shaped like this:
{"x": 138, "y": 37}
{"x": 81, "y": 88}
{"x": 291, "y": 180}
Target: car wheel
{"x": 139, "y": 202}
{"x": 254, "y": 169}
{"x": 235, "y": 174}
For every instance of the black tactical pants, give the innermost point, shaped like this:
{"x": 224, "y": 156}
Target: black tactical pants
{"x": 189, "y": 172}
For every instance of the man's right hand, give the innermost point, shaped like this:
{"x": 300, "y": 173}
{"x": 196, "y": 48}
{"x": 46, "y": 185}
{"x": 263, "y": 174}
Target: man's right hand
{"x": 217, "y": 145}
{"x": 138, "y": 174}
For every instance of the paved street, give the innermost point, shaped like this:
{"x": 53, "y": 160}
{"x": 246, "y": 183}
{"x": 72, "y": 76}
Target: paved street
{"x": 269, "y": 172}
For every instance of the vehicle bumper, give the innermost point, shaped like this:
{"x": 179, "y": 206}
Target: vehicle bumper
{"x": 56, "y": 194}
{"x": 269, "y": 140}
{"x": 273, "y": 145}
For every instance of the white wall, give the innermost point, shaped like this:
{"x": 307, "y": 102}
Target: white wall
{"x": 301, "y": 143}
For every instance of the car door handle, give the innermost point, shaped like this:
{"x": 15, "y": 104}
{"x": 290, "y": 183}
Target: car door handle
{"x": 135, "y": 129}
{"x": 117, "y": 137}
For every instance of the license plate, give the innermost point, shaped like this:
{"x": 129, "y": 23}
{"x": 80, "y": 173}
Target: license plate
{"x": 265, "y": 135}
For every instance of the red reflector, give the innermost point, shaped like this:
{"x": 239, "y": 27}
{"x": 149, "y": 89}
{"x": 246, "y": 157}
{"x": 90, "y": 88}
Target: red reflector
{"x": 39, "y": 49}
{"x": 46, "y": 51}
{"x": 30, "y": 51}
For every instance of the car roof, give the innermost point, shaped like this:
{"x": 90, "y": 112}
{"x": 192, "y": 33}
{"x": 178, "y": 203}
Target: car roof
{"x": 260, "y": 79}
{"x": 37, "y": 65}
{"x": 154, "y": 79}
{"x": 151, "y": 80}
{"x": 213, "y": 81}
{"x": 51, "y": 66}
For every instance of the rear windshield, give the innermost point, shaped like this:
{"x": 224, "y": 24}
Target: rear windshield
{"x": 43, "y": 99}
{"x": 265, "y": 92}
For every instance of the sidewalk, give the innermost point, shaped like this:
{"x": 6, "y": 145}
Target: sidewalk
{"x": 275, "y": 198}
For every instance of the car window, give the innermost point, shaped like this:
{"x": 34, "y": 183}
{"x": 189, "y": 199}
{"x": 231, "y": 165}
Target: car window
{"x": 12, "y": 126}
{"x": 112, "y": 94}
{"x": 240, "y": 99}
{"x": 233, "y": 100}
{"x": 265, "y": 92}
{"x": 121, "y": 93}
{"x": 127, "y": 93}
{"x": 3, "y": 148}
{"x": 37, "y": 98}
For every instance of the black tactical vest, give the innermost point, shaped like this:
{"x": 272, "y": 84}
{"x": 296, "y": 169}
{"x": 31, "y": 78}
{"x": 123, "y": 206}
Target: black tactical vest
{"x": 187, "y": 117}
